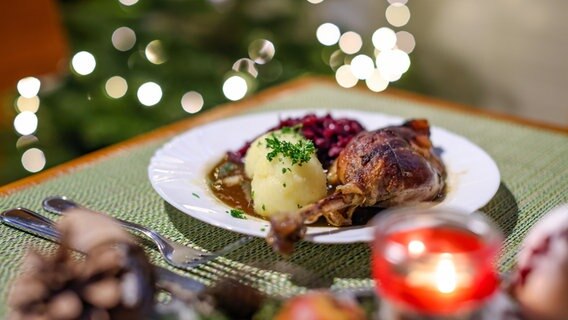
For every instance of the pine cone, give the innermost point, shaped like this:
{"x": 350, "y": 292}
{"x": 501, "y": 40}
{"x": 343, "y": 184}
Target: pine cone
{"x": 114, "y": 281}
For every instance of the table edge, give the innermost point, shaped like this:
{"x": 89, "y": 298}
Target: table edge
{"x": 231, "y": 108}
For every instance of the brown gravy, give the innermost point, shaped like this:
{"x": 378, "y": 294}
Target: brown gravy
{"x": 234, "y": 196}
{"x": 238, "y": 195}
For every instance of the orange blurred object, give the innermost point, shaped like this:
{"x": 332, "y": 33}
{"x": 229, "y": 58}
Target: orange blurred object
{"x": 320, "y": 305}
{"x": 33, "y": 42}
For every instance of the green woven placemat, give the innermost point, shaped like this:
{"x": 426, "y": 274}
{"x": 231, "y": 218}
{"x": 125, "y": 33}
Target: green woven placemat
{"x": 532, "y": 163}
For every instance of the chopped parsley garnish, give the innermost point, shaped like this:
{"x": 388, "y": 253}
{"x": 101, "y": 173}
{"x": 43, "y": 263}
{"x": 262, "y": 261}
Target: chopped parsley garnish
{"x": 235, "y": 213}
{"x": 299, "y": 152}
{"x": 262, "y": 229}
{"x": 195, "y": 195}
{"x": 263, "y": 207}
{"x": 284, "y": 185}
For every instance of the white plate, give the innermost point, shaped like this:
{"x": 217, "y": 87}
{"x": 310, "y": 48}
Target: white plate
{"x": 178, "y": 171}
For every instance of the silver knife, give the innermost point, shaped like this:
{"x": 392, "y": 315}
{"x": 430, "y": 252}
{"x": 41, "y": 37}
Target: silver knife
{"x": 38, "y": 225}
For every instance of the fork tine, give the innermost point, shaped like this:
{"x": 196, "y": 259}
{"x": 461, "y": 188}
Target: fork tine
{"x": 227, "y": 269}
{"x": 218, "y": 269}
{"x": 205, "y": 257}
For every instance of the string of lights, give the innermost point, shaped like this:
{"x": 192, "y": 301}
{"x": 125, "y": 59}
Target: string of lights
{"x": 386, "y": 64}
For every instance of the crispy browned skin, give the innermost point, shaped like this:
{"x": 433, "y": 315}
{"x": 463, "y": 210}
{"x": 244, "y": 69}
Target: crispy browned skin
{"x": 392, "y": 166}
{"x": 387, "y": 167}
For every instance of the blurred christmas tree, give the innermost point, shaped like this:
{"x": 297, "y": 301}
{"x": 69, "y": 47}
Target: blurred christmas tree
{"x": 176, "y": 48}
{"x": 139, "y": 64}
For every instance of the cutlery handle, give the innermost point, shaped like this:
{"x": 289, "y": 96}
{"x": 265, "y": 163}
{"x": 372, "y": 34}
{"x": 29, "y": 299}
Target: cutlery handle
{"x": 60, "y": 204}
{"x": 31, "y": 222}
{"x": 38, "y": 225}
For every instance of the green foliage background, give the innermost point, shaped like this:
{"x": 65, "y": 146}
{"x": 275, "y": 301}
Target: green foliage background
{"x": 202, "y": 40}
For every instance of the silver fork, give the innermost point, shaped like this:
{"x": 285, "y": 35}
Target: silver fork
{"x": 177, "y": 255}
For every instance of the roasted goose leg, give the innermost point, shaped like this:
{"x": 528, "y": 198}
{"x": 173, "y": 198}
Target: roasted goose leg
{"x": 387, "y": 167}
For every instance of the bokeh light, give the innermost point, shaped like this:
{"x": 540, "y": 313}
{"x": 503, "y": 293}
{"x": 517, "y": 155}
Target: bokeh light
{"x": 28, "y": 104}
{"x": 261, "y": 51}
{"x": 123, "y": 39}
{"x": 315, "y": 1}
{"x": 25, "y": 123}
{"x": 155, "y": 52}
{"x": 33, "y": 160}
{"x": 149, "y": 94}
{"x": 344, "y": 76}
{"x": 397, "y": 15}
{"x": 83, "y": 63}
{"x": 116, "y": 87}
{"x": 336, "y": 59}
{"x": 328, "y": 34}
{"x": 192, "y": 102}
{"x": 362, "y": 66}
{"x": 392, "y": 64}
{"x": 384, "y": 39}
{"x": 26, "y": 141}
{"x": 128, "y": 2}
{"x": 398, "y": 2}
{"x": 376, "y": 82}
{"x": 235, "y": 88}
{"x": 245, "y": 65}
{"x": 28, "y": 87}
{"x": 350, "y": 42}
{"x": 405, "y": 41}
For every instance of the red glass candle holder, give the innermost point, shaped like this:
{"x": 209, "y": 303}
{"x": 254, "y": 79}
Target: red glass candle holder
{"x": 435, "y": 261}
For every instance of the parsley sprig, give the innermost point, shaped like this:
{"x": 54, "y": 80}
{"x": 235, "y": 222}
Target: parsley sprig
{"x": 299, "y": 152}
{"x": 239, "y": 214}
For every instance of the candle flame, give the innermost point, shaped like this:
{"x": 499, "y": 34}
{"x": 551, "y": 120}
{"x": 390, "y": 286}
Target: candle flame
{"x": 445, "y": 274}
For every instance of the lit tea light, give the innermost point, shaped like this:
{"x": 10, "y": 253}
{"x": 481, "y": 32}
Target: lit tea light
{"x": 445, "y": 274}
{"x": 433, "y": 262}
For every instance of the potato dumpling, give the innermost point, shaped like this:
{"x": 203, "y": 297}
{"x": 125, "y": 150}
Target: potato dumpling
{"x": 258, "y": 149}
{"x": 279, "y": 185}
